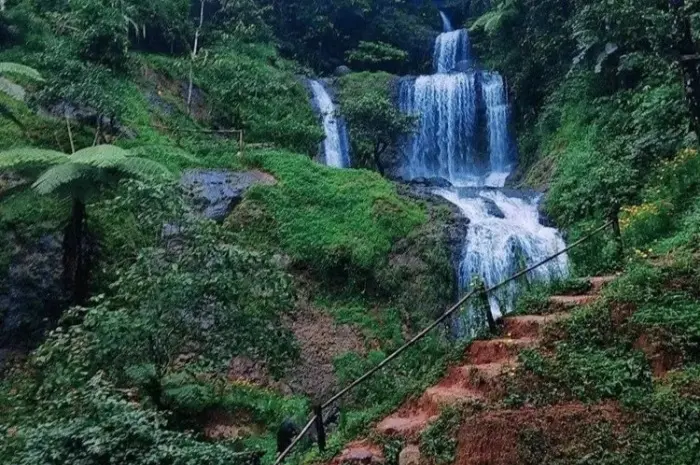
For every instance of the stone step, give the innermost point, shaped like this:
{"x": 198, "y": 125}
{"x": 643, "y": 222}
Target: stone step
{"x": 566, "y": 302}
{"x": 438, "y": 397}
{"x": 599, "y": 282}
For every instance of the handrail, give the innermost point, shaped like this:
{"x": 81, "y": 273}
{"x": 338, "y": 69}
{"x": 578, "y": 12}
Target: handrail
{"x": 429, "y": 328}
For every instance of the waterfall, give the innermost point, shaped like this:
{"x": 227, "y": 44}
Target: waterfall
{"x": 451, "y": 48}
{"x": 446, "y": 23}
{"x": 495, "y": 101}
{"x": 505, "y": 236}
{"x": 463, "y": 136}
{"x": 442, "y": 145}
{"x": 335, "y": 145}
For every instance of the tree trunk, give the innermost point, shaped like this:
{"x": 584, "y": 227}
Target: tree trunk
{"x": 195, "y": 49}
{"x": 684, "y": 47}
{"x": 378, "y": 150}
{"x": 617, "y": 232}
{"x": 75, "y": 261}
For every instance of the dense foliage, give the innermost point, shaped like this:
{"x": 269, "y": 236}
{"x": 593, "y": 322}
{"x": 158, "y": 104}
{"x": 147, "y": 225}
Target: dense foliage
{"x": 142, "y": 371}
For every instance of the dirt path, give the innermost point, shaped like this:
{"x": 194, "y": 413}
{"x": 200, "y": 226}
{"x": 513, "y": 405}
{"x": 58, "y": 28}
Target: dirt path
{"x": 487, "y": 363}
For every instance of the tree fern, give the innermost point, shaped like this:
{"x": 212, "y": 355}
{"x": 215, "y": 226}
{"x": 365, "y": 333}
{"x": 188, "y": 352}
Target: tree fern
{"x": 86, "y": 166}
{"x": 100, "y": 156}
{"x": 493, "y": 20}
{"x": 61, "y": 176}
{"x": 143, "y": 168}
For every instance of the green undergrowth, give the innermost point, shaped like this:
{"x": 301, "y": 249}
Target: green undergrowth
{"x": 609, "y": 351}
{"x": 414, "y": 371}
{"x": 439, "y": 441}
{"x": 248, "y": 86}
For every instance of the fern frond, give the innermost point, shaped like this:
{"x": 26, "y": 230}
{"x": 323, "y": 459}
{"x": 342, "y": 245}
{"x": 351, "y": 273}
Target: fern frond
{"x": 144, "y": 168}
{"x": 100, "y": 156}
{"x": 59, "y": 176}
{"x": 20, "y": 70}
{"x": 25, "y": 157}
{"x": 12, "y": 90}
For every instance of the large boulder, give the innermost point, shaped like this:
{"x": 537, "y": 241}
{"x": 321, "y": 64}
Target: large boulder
{"x": 215, "y": 193}
{"x": 341, "y": 71}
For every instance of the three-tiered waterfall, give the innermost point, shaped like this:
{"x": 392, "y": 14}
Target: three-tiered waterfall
{"x": 463, "y": 137}
{"x": 335, "y": 145}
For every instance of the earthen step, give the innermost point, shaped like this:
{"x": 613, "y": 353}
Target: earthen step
{"x": 497, "y": 350}
{"x": 360, "y": 452}
{"x": 437, "y": 397}
{"x": 599, "y": 282}
{"x": 570, "y": 301}
{"x": 529, "y": 326}
{"x": 406, "y": 425}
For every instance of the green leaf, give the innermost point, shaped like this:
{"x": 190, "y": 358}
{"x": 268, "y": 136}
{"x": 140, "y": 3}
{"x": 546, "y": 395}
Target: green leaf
{"x": 20, "y": 70}
{"x": 28, "y": 156}
{"x": 58, "y": 176}
{"x": 100, "y": 156}
{"x": 144, "y": 168}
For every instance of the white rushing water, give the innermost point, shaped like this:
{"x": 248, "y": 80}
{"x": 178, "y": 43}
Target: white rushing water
{"x": 450, "y": 49}
{"x": 505, "y": 236}
{"x": 335, "y": 145}
{"x": 463, "y": 136}
{"x": 443, "y": 143}
{"x": 446, "y": 23}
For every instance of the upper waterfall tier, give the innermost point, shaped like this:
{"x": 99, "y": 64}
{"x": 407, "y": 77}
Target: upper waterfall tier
{"x": 446, "y": 24}
{"x": 335, "y": 145}
{"x": 451, "y": 48}
{"x": 462, "y": 133}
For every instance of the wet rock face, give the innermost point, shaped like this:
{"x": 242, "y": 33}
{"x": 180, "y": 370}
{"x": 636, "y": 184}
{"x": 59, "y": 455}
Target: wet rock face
{"x": 215, "y": 193}
{"x": 455, "y": 226}
{"x": 31, "y": 295}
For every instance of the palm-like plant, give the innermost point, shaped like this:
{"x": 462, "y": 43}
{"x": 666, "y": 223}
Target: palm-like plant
{"x": 11, "y": 91}
{"x": 78, "y": 177}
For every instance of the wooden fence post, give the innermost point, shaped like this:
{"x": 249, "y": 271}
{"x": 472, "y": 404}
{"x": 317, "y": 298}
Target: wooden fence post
{"x": 320, "y": 430}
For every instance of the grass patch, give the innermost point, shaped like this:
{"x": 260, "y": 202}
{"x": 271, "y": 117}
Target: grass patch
{"x": 326, "y": 218}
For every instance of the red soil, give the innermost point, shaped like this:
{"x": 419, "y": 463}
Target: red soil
{"x": 489, "y": 438}
{"x": 495, "y": 437}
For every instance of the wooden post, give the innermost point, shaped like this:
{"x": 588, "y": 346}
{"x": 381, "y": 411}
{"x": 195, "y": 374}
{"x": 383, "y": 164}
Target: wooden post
{"x": 489, "y": 317}
{"x": 320, "y": 430}
{"x": 617, "y": 232}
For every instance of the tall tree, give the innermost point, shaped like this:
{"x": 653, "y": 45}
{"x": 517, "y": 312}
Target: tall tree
{"x": 688, "y": 58}
{"x": 78, "y": 177}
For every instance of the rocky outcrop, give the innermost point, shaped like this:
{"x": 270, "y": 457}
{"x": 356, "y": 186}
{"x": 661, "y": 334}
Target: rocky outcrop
{"x": 341, "y": 71}
{"x": 31, "y": 295}
{"x": 420, "y": 274}
{"x": 453, "y": 221}
{"x": 89, "y": 116}
{"x": 215, "y": 193}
